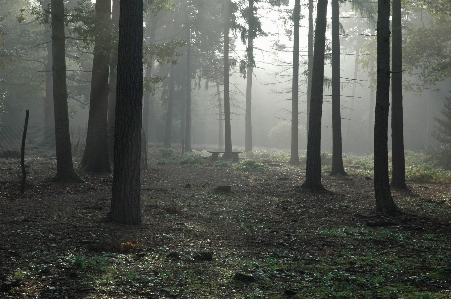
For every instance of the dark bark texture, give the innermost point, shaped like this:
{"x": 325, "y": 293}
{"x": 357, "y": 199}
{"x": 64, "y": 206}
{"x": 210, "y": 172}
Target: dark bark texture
{"x": 313, "y": 164}
{"x": 310, "y": 59}
{"x": 294, "y": 155}
{"x": 64, "y": 167}
{"x": 249, "y": 71}
{"x": 170, "y": 109}
{"x": 126, "y": 201}
{"x": 397, "y": 119}
{"x": 337, "y": 145}
{"x": 95, "y": 157}
{"x": 384, "y": 200}
{"x": 227, "y": 125}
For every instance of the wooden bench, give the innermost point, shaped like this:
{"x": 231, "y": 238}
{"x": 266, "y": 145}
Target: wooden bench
{"x": 215, "y": 155}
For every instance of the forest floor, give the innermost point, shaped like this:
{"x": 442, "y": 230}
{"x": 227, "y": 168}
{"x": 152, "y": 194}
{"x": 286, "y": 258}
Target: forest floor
{"x": 264, "y": 238}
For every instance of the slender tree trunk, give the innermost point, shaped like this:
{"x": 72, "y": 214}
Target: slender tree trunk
{"x": 170, "y": 109}
{"x": 294, "y": 158}
{"x": 113, "y": 77}
{"x": 337, "y": 147}
{"x": 397, "y": 122}
{"x": 250, "y": 69}
{"x": 95, "y": 157}
{"x": 310, "y": 60}
{"x": 228, "y": 127}
{"x": 64, "y": 166}
{"x": 313, "y": 167}
{"x": 49, "y": 116}
{"x": 221, "y": 119}
{"x": 126, "y": 201}
{"x": 188, "y": 85}
{"x": 384, "y": 200}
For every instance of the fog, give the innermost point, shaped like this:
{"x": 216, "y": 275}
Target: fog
{"x": 271, "y": 92}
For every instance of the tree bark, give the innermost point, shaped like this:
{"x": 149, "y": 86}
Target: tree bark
{"x": 250, "y": 70}
{"x": 95, "y": 157}
{"x": 113, "y": 77}
{"x": 126, "y": 201}
{"x": 187, "y": 132}
{"x": 313, "y": 167}
{"x": 337, "y": 145}
{"x": 227, "y": 125}
{"x": 149, "y": 105}
{"x": 384, "y": 200}
{"x": 64, "y": 166}
{"x": 294, "y": 157}
{"x": 49, "y": 116}
{"x": 397, "y": 119}
{"x": 310, "y": 60}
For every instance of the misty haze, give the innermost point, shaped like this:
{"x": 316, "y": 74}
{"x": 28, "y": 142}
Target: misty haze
{"x": 225, "y": 149}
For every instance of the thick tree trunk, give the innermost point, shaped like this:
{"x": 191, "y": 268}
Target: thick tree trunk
{"x": 95, "y": 157}
{"x": 113, "y": 77}
{"x": 337, "y": 146}
{"x": 126, "y": 201}
{"x": 384, "y": 200}
{"x": 397, "y": 119}
{"x": 313, "y": 167}
{"x": 64, "y": 166}
{"x": 351, "y": 106}
{"x": 227, "y": 125}
{"x": 294, "y": 157}
{"x": 170, "y": 109}
{"x": 310, "y": 59}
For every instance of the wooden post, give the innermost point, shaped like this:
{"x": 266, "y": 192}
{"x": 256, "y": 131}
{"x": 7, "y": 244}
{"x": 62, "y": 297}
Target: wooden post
{"x": 22, "y": 151}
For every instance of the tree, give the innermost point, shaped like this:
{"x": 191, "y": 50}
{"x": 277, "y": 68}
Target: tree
{"x": 227, "y": 125}
{"x": 113, "y": 75}
{"x": 95, "y": 157}
{"x": 294, "y": 157}
{"x": 170, "y": 108}
{"x": 64, "y": 166}
{"x": 310, "y": 58}
{"x": 397, "y": 118}
{"x": 187, "y": 132}
{"x": 337, "y": 147}
{"x": 126, "y": 201}
{"x": 313, "y": 164}
{"x": 384, "y": 200}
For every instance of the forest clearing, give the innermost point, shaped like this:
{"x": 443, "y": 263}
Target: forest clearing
{"x": 263, "y": 237}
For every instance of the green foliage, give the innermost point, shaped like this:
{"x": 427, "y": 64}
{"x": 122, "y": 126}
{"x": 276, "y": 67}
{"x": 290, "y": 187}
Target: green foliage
{"x": 84, "y": 263}
{"x": 222, "y": 164}
{"x": 250, "y": 165}
{"x": 192, "y": 160}
{"x": 167, "y": 151}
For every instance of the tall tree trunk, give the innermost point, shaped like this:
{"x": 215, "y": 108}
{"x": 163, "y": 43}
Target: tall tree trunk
{"x": 187, "y": 132}
{"x": 397, "y": 119}
{"x": 220, "y": 119}
{"x": 384, "y": 200}
{"x": 313, "y": 167}
{"x": 170, "y": 109}
{"x": 95, "y": 157}
{"x": 294, "y": 157}
{"x": 310, "y": 59}
{"x": 64, "y": 166}
{"x": 250, "y": 69}
{"x": 49, "y": 116}
{"x": 113, "y": 76}
{"x": 126, "y": 201}
{"x": 337, "y": 146}
{"x": 228, "y": 127}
